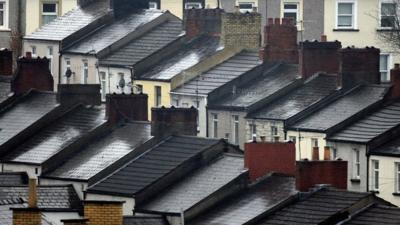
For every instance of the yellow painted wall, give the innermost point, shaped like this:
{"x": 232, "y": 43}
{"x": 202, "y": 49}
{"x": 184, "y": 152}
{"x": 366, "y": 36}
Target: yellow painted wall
{"x": 149, "y": 89}
{"x": 33, "y": 12}
{"x": 303, "y": 145}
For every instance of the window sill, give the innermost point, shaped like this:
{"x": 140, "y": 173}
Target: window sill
{"x": 346, "y": 30}
{"x": 5, "y": 29}
{"x": 396, "y": 194}
{"x": 355, "y": 180}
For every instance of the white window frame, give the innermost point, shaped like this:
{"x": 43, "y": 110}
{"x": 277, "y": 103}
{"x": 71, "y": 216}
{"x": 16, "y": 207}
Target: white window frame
{"x": 356, "y": 163}
{"x": 397, "y": 177}
{"x": 50, "y": 53}
{"x": 196, "y": 5}
{"x": 153, "y": 5}
{"x": 157, "y": 97}
{"x": 389, "y": 63}
{"x": 253, "y": 130}
{"x": 6, "y": 15}
{"x": 374, "y": 175}
{"x": 253, "y": 4}
{"x": 85, "y": 68}
{"x": 314, "y": 142}
{"x": 48, "y": 13}
{"x": 380, "y": 12}
{"x": 103, "y": 83}
{"x": 235, "y": 129}
{"x": 297, "y": 11}
{"x": 214, "y": 125}
{"x": 34, "y": 50}
{"x": 354, "y": 15}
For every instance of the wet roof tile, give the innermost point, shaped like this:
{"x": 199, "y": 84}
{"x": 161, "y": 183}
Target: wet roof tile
{"x": 376, "y": 214}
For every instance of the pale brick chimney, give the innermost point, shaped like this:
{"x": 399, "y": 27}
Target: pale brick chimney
{"x": 75, "y": 222}
{"x": 103, "y": 212}
{"x": 32, "y": 214}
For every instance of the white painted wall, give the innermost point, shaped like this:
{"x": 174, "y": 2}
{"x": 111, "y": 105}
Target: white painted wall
{"x": 29, "y": 169}
{"x": 304, "y": 146}
{"x": 76, "y": 62}
{"x": 79, "y": 187}
{"x": 56, "y": 217}
{"x": 128, "y": 206}
{"x": 112, "y": 79}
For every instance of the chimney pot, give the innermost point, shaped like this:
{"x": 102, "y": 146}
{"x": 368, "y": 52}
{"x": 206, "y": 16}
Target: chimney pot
{"x": 324, "y": 38}
{"x": 28, "y": 55}
{"x": 32, "y": 198}
{"x": 277, "y": 21}
{"x": 270, "y": 21}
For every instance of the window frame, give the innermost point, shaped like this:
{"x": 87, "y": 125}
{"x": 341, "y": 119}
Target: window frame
{"x": 235, "y": 129}
{"x": 313, "y": 141}
{"x": 253, "y": 4}
{"x": 85, "y": 71}
{"x": 375, "y": 175}
{"x": 397, "y": 177}
{"x": 389, "y": 67}
{"x": 356, "y": 163}
{"x": 42, "y": 13}
{"x": 103, "y": 84}
{"x": 290, "y": 10}
{"x": 6, "y": 11}
{"x": 214, "y": 125}
{"x": 380, "y": 12}
{"x": 354, "y": 25}
{"x": 155, "y": 3}
{"x": 199, "y": 5}
{"x": 157, "y": 96}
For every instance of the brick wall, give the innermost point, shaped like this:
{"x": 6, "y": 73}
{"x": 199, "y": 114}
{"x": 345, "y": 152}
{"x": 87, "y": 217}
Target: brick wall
{"x": 75, "y": 221}
{"x": 6, "y": 62}
{"x": 202, "y": 21}
{"x": 126, "y": 106}
{"x": 263, "y": 128}
{"x": 103, "y": 213}
{"x": 69, "y": 94}
{"x": 241, "y": 30}
{"x": 180, "y": 121}
{"x": 27, "y": 216}
{"x": 395, "y": 80}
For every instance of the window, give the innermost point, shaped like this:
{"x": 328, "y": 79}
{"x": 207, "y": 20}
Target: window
{"x": 176, "y": 102}
{"x": 388, "y": 14}
{"x": 384, "y": 63}
{"x": 314, "y": 142}
{"x": 215, "y": 125}
{"x": 197, "y": 103}
{"x": 153, "y": 5}
{"x": 375, "y": 175}
{"x": 67, "y": 62}
{"x": 103, "y": 83}
{"x": 235, "y": 129}
{"x": 121, "y": 82}
{"x": 291, "y": 10}
{"x": 85, "y": 72}
{"x": 397, "y": 177}
{"x": 3, "y": 14}
{"x": 33, "y": 50}
{"x": 253, "y": 131}
{"x": 356, "y": 160}
{"x": 292, "y": 139}
{"x": 191, "y": 5}
{"x": 157, "y": 95}
{"x": 50, "y": 57}
{"x": 346, "y": 16}
{"x": 274, "y": 134}
{"x": 245, "y": 7}
{"x": 139, "y": 88}
{"x": 49, "y": 12}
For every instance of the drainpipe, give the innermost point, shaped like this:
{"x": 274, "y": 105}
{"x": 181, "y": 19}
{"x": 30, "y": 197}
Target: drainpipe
{"x": 59, "y": 62}
{"x": 367, "y": 153}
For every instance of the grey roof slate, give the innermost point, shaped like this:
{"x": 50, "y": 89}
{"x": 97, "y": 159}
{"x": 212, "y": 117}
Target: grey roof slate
{"x": 315, "y": 209}
{"x": 221, "y": 74}
{"x": 145, "y": 220}
{"x": 71, "y": 22}
{"x": 152, "y": 165}
{"x": 13, "y": 178}
{"x": 27, "y": 111}
{"x": 274, "y": 78}
{"x": 343, "y": 108}
{"x": 250, "y": 203}
{"x": 298, "y": 100}
{"x": 49, "y": 197}
{"x": 187, "y": 56}
{"x": 197, "y": 186}
{"x": 55, "y": 137}
{"x": 116, "y": 30}
{"x": 377, "y": 215}
{"x": 5, "y": 88}
{"x": 98, "y": 155}
{"x": 144, "y": 46}
{"x": 6, "y": 215}
{"x": 371, "y": 126}
{"x": 391, "y": 148}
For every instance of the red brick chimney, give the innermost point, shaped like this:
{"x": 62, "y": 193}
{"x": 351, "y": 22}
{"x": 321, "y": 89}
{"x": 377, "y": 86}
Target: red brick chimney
{"x": 395, "y": 80}
{"x": 6, "y": 62}
{"x": 311, "y": 173}
{"x": 315, "y": 153}
{"x": 317, "y": 57}
{"x": 31, "y": 215}
{"x": 71, "y": 94}
{"x": 359, "y": 65}
{"x": 280, "y": 42}
{"x": 126, "y": 107}
{"x": 32, "y": 73}
{"x": 168, "y": 121}
{"x": 327, "y": 153}
{"x": 267, "y": 157}
{"x": 202, "y": 21}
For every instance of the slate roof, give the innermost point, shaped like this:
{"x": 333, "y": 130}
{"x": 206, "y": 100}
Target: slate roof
{"x": 249, "y": 203}
{"x": 187, "y": 56}
{"x": 144, "y": 46}
{"x": 49, "y": 197}
{"x": 6, "y": 215}
{"x": 145, "y": 220}
{"x": 343, "y": 108}
{"x": 376, "y": 215}
{"x": 298, "y": 100}
{"x": 55, "y": 137}
{"x": 221, "y": 74}
{"x": 116, "y": 30}
{"x": 5, "y": 88}
{"x": 98, "y": 155}
{"x": 197, "y": 186}
{"x": 392, "y": 148}
{"x": 275, "y": 77}
{"x": 371, "y": 126}
{"x": 13, "y": 178}
{"x": 27, "y": 111}
{"x": 71, "y": 22}
{"x": 152, "y": 165}
{"x": 315, "y": 209}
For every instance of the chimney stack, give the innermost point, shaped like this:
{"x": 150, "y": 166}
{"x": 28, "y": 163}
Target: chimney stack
{"x": 311, "y": 173}
{"x": 315, "y": 153}
{"x": 327, "y": 153}
{"x": 269, "y": 157}
{"x": 32, "y": 214}
{"x": 124, "y": 7}
{"x": 32, "y": 197}
{"x": 170, "y": 121}
{"x": 280, "y": 42}
{"x": 317, "y": 57}
{"x": 202, "y": 21}
{"x": 103, "y": 212}
{"x": 71, "y": 94}
{"x": 75, "y": 222}
{"x": 32, "y": 73}
{"x": 395, "y": 80}
{"x": 359, "y": 65}
{"x": 126, "y": 107}
{"x": 6, "y": 62}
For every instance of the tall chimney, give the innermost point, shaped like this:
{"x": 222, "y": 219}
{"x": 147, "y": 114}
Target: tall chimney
{"x": 6, "y": 62}
{"x": 103, "y": 212}
{"x": 126, "y": 107}
{"x": 280, "y": 42}
{"x": 202, "y": 21}
{"x": 32, "y": 197}
{"x": 268, "y": 157}
{"x": 169, "y": 121}
{"x": 87, "y": 94}
{"x": 32, "y": 73}
{"x": 31, "y": 215}
{"x": 395, "y": 80}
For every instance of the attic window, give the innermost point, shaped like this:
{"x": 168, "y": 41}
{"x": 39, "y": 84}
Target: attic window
{"x": 49, "y": 12}
{"x": 193, "y": 5}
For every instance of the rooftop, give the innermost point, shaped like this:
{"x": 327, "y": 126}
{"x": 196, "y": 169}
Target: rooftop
{"x": 187, "y": 56}
{"x": 25, "y": 112}
{"x": 5, "y": 88}
{"x": 71, "y": 22}
{"x": 221, "y": 74}
{"x": 197, "y": 186}
{"x": 311, "y": 92}
{"x": 315, "y": 209}
{"x": 249, "y": 203}
{"x": 144, "y": 46}
{"x": 110, "y": 33}
{"x": 13, "y": 178}
{"x": 376, "y": 214}
{"x": 392, "y": 148}
{"x": 343, "y": 108}
{"x": 371, "y": 126}
{"x": 152, "y": 165}
{"x": 275, "y": 77}
{"x": 55, "y": 137}
{"x": 98, "y": 155}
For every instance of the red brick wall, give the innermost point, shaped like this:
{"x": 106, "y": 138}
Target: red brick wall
{"x": 6, "y": 62}
{"x": 264, "y": 158}
{"x": 182, "y": 121}
{"x": 395, "y": 79}
{"x": 311, "y": 173}
{"x": 126, "y": 106}
{"x": 199, "y": 21}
